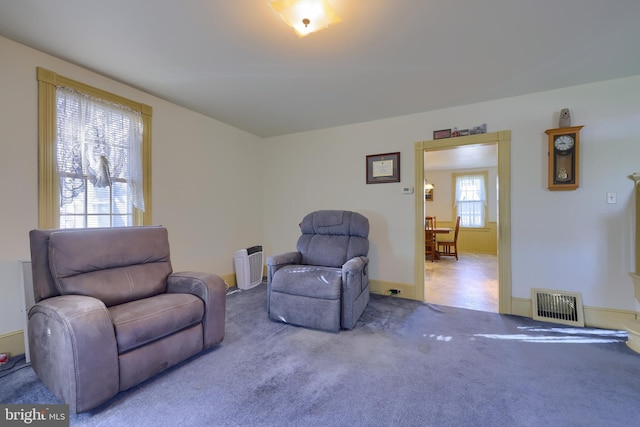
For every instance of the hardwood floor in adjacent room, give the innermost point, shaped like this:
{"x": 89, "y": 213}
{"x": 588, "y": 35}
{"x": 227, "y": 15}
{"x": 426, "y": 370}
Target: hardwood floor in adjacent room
{"x": 471, "y": 282}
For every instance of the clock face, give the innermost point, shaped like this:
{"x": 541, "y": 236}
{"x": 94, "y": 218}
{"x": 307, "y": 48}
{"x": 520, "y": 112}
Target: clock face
{"x": 564, "y": 142}
{"x": 563, "y": 158}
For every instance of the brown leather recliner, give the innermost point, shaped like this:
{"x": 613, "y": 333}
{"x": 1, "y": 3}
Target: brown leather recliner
{"x": 110, "y": 313}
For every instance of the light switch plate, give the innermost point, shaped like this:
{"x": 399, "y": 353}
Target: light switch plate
{"x": 612, "y": 198}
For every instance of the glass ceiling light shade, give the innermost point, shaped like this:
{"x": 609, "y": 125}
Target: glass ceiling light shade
{"x": 428, "y": 187}
{"x": 306, "y": 16}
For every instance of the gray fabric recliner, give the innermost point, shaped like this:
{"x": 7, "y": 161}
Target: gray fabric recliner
{"x": 324, "y": 285}
{"x": 110, "y": 313}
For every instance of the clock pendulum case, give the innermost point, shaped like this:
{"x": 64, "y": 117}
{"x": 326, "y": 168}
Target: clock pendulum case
{"x": 564, "y": 158}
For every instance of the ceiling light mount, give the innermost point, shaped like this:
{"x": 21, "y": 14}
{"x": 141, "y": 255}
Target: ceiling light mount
{"x": 306, "y": 16}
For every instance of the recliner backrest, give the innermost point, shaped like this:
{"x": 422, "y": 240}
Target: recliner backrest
{"x": 115, "y": 265}
{"x": 331, "y": 237}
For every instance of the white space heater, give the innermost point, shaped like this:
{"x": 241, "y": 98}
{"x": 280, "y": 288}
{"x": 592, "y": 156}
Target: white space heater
{"x": 248, "y": 264}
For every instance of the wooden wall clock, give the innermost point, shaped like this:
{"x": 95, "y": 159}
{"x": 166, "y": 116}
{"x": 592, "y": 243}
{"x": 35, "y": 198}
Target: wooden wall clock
{"x": 564, "y": 158}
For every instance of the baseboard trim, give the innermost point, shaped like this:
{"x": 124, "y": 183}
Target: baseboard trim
{"x": 230, "y": 279}
{"x": 608, "y": 318}
{"x": 12, "y": 343}
{"x": 633, "y": 330}
{"x": 594, "y": 317}
{"x": 521, "y": 307}
{"x": 382, "y": 287}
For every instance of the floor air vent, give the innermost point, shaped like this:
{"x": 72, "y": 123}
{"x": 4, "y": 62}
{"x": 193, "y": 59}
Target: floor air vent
{"x": 558, "y": 307}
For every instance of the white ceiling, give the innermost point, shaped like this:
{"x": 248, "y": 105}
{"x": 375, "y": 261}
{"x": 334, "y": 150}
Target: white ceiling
{"x": 236, "y": 61}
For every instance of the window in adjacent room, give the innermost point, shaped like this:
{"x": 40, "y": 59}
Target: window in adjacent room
{"x": 470, "y": 201}
{"x": 94, "y": 156}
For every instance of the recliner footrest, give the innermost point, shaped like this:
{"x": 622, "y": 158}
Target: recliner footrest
{"x": 315, "y": 313}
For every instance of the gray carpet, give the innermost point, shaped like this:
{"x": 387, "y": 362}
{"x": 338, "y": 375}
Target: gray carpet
{"x": 405, "y": 364}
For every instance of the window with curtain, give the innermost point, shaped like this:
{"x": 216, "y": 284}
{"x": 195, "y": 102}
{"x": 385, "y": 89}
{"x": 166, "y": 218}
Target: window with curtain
{"x": 98, "y": 159}
{"x": 94, "y": 156}
{"x": 471, "y": 199}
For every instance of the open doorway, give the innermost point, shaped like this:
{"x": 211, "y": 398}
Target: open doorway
{"x": 464, "y": 178}
{"x": 502, "y": 141}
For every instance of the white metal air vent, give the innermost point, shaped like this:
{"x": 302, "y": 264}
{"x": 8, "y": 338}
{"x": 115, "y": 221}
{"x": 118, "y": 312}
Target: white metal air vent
{"x": 558, "y": 307}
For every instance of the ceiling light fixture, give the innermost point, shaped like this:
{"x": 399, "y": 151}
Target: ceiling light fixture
{"x": 306, "y": 16}
{"x": 427, "y": 187}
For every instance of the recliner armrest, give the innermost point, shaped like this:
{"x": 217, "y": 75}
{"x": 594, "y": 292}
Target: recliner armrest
{"x": 355, "y": 290}
{"x": 286, "y": 258}
{"x": 275, "y": 262}
{"x": 354, "y": 265}
{"x": 355, "y": 275}
{"x": 212, "y": 290}
{"x": 74, "y": 350}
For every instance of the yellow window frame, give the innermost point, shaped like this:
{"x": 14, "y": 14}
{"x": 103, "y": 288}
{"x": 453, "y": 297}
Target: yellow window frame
{"x": 48, "y": 190}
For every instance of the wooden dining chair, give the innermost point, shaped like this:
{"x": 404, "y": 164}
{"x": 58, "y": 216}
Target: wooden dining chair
{"x": 430, "y": 219}
{"x": 450, "y": 247}
{"x": 430, "y": 245}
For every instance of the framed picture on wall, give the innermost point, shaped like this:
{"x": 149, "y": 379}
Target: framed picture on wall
{"x": 383, "y": 168}
{"x": 442, "y": 134}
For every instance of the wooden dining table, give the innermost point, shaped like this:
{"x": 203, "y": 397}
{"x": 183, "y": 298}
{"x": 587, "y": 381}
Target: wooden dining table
{"x": 442, "y": 230}
{"x": 438, "y": 230}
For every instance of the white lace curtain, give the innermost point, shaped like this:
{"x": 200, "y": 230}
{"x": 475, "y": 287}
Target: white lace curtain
{"x": 471, "y": 200}
{"x": 97, "y": 141}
